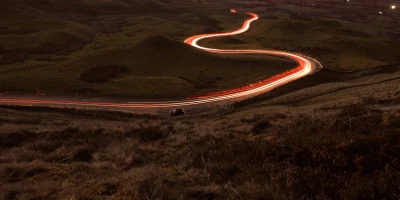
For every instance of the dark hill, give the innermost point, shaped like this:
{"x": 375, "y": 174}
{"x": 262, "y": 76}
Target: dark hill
{"x": 97, "y": 14}
{"x": 153, "y": 68}
{"x": 230, "y": 40}
{"x": 93, "y": 7}
{"x": 162, "y": 46}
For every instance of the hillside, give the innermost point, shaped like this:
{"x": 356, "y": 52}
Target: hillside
{"x": 103, "y": 48}
{"x": 154, "y": 67}
{"x": 84, "y": 7}
{"x": 59, "y": 27}
{"x": 21, "y": 39}
{"x": 338, "y": 47}
{"x": 279, "y": 147}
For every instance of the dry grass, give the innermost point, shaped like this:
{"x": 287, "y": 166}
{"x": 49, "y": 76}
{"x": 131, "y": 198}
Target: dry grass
{"x": 348, "y": 155}
{"x": 311, "y": 148}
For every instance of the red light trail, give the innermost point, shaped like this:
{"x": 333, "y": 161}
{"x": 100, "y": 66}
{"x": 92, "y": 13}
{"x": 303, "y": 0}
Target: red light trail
{"x": 306, "y": 66}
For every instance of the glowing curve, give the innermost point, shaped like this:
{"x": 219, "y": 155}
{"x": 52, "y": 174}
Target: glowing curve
{"x": 306, "y": 66}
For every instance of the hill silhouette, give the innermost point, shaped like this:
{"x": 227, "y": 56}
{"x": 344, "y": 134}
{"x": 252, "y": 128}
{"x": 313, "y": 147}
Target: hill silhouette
{"x": 93, "y": 7}
{"x": 30, "y": 27}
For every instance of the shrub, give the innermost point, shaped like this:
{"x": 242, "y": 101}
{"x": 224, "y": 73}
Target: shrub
{"x": 260, "y": 127}
{"x": 82, "y": 155}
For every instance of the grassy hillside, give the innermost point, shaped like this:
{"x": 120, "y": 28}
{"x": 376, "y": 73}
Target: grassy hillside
{"x": 337, "y": 47}
{"x": 85, "y": 7}
{"x": 20, "y": 39}
{"x": 45, "y": 27}
{"x": 155, "y": 67}
{"x": 103, "y": 53}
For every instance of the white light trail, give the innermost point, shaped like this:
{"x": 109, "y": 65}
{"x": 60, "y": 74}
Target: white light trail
{"x": 306, "y": 66}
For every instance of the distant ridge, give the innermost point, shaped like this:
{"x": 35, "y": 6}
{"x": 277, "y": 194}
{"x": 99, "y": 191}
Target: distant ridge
{"x": 83, "y": 7}
{"x": 168, "y": 48}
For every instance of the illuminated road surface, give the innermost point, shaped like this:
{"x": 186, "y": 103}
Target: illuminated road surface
{"x": 306, "y": 66}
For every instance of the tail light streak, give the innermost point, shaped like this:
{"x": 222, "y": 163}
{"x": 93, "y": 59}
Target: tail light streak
{"x": 305, "y": 67}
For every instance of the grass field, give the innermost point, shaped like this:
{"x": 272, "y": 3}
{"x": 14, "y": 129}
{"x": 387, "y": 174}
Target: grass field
{"x": 21, "y": 38}
{"x": 336, "y": 46}
{"x": 155, "y": 67}
{"x": 52, "y": 55}
{"x": 149, "y": 49}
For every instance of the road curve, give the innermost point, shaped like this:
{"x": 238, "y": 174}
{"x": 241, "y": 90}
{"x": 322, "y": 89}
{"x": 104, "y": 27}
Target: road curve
{"x": 306, "y": 66}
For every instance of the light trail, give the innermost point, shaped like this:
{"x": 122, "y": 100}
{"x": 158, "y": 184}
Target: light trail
{"x": 306, "y": 66}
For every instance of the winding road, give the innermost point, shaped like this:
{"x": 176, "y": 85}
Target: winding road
{"x": 306, "y": 66}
